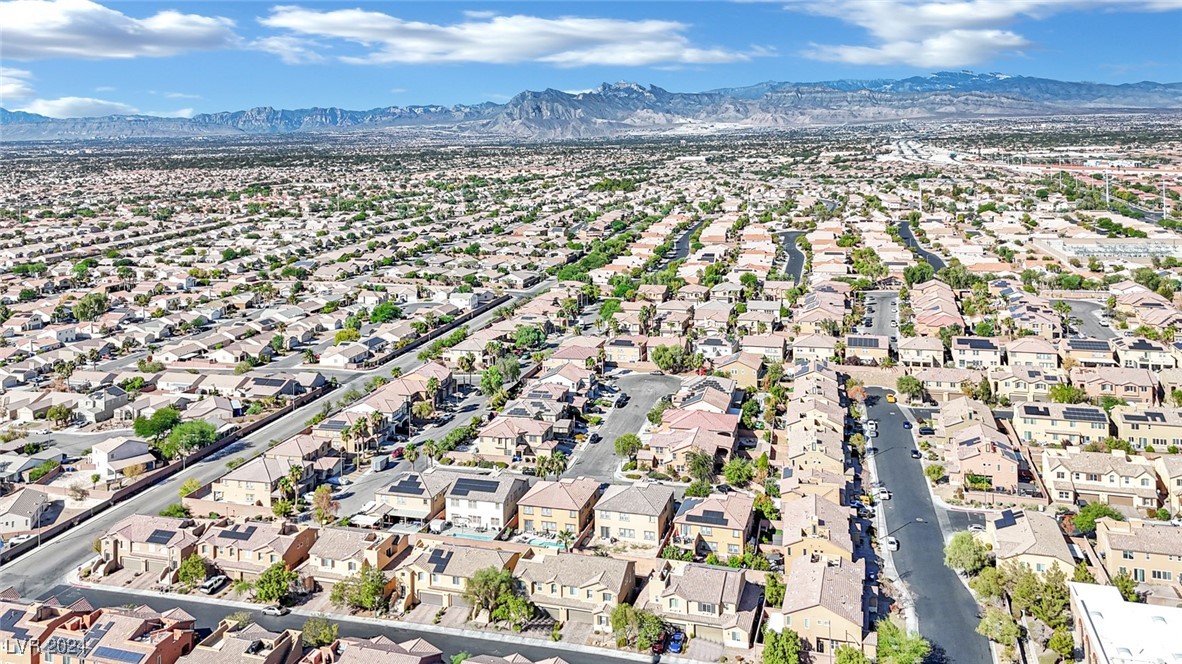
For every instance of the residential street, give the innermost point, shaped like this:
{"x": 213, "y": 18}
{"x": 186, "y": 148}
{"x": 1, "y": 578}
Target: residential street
{"x": 946, "y": 609}
{"x": 883, "y": 314}
{"x": 933, "y": 259}
{"x": 209, "y": 613}
{"x": 794, "y": 265}
{"x": 1089, "y": 315}
{"x": 39, "y": 570}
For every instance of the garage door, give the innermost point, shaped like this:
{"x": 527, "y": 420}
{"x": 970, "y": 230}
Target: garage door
{"x": 435, "y": 599}
{"x": 1127, "y": 501}
{"x": 458, "y": 600}
{"x": 709, "y": 634}
{"x": 552, "y": 612}
{"x": 583, "y": 617}
{"x": 1089, "y": 498}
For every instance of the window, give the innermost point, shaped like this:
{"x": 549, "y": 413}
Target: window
{"x": 706, "y": 531}
{"x": 707, "y": 608}
{"x": 1127, "y": 555}
{"x": 650, "y": 536}
{"x": 1163, "y": 575}
{"x": 607, "y": 597}
{"x": 546, "y": 511}
{"x": 526, "y": 509}
{"x": 674, "y": 602}
{"x": 732, "y": 548}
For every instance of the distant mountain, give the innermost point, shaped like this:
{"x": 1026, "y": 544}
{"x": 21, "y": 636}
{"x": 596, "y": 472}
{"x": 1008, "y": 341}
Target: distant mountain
{"x": 629, "y": 108}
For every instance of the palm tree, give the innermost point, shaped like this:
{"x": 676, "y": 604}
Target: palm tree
{"x": 565, "y": 539}
{"x": 411, "y": 454}
{"x": 432, "y": 388}
{"x": 295, "y": 475}
{"x": 285, "y": 486}
{"x": 555, "y": 464}
{"x": 432, "y": 450}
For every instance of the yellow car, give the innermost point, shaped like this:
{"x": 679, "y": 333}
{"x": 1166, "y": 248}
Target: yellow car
{"x": 890, "y": 398}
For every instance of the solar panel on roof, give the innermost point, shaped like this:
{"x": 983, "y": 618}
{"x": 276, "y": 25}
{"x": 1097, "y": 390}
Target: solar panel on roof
{"x": 464, "y": 486}
{"x": 862, "y": 342}
{"x": 160, "y": 536}
{"x": 708, "y": 517}
{"x": 978, "y": 344}
{"x": 243, "y": 534}
{"x": 1089, "y": 344}
{"x": 1040, "y": 411}
{"x": 107, "y": 652}
{"x": 409, "y": 485}
{"x": 1085, "y": 415}
{"x": 269, "y": 382}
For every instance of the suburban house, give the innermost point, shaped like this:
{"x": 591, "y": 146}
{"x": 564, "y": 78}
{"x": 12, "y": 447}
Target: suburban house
{"x": 707, "y": 602}
{"x": 1029, "y": 538}
{"x": 1076, "y": 477}
{"x": 437, "y": 574}
{"x": 1146, "y": 551}
{"x": 112, "y": 457}
{"x": 246, "y": 550}
{"x": 554, "y": 507}
{"x": 515, "y": 437}
{"x": 921, "y": 351}
{"x": 1047, "y": 422}
{"x": 151, "y": 544}
{"x": 414, "y": 497}
{"x": 638, "y": 515}
{"x": 828, "y": 604}
{"x": 816, "y": 528}
{"x": 341, "y": 552}
{"x": 1132, "y": 385}
{"x": 1141, "y": 427}
{"x": 22, "y": 511}
{"x": 717, "y": 524}
{"x": 573, "y": 588}
{"x": 484, "y": 502}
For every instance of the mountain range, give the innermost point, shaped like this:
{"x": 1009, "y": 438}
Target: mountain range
{"x": 628, "y": 108}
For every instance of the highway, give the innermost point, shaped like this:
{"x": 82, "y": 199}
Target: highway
{"x": 36, "y": 572}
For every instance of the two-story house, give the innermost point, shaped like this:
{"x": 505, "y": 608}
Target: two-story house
{"x": 1076, "y": 477}
{"x": 1146, "y": 551}
{"x": 340, "y": 553}
{"x": 246, "y": 550}
{"x": 484, "y": 501}
{"x": 717, "y": 524}
{"x": 711, "y": 603}
{"x": 437, "y": 574}
{"x": 1048, "y": 422}
{"x": 574, "y": 588}
{"x": 554, "y": 507}
{"x": 637, "y": 515}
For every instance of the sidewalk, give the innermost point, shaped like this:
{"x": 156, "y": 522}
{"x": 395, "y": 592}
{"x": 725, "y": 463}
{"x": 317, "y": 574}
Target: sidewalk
{"x": 499, "y": 637}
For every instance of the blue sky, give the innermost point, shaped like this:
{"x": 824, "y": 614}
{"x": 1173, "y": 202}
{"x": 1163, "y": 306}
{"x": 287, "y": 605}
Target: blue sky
{"x": 68, "y": 58}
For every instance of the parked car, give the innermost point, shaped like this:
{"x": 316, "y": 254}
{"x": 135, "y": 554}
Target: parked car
{"x": 659, "y": 643}
{"x": 927, "y": 431}
{"x": 891, "y": 398}
{"x": 677, "y": 642}
{"x": 892, "y": 544}
{"x": 976, "y": 528}
{"x": 882, "y": 494}
{"x": 907, "y": 424}
{"x": 398, "y": 453}
{"x": 594, "y": 438}
{"x": 19, "y": 539}
{"x": 213, "y": 584}
{"x": 722, "y": 488}
{"x": 276, "y": 610}
{"x": 916, "y": 455}
{"x": 872, "y": 424}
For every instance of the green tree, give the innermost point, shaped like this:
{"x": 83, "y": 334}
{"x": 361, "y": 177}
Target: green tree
{"x": 176, "y": 511}
{"x": 514, "y": 609}
{"x": 774, "y": 589}
{"x": 1064, "y": 393}
{"x": 486, "y": 588}
{"x": 625, "y": 622}
{"x": 698, "y": 489}
{"x": 964, "y": 553}
{"x": 738, "y": 472}
{"x": 90, "y": 306}
{"x": 364, "y": 589}
{"x": 529, "y": 336}
{"x": 192, "y": 570}
{"x": 491, "y": 381}
{"x": 60, "y": 414}
{"x": 189, "y": 486}
{"x": 192, "y": 435}
{"x": 1082, "y": 574}
{"x": 1085, "y": 521}
{"x": 345, "y": 336}
{"x": 781, "y": 647}
{"x": 1052, "y": 604}
{"x": 909, "y": 386}
{"x": 988, "y": 584}
{"x": 274, "y": 584}
{"x": 320, "y": 631}
{"x": 460, "y": 657}
{"x": 160, "y": 423}
{"x": 934, "y": 472}
{"x": 999, "y": 626}
{"x": 700, "y": 465}
{"x": 897, "y": 646}
{"x": 847, "y": 654}
{"x": 384, "y": 312}
{"x": 1062, "y": 643}
{"x": 1127, "y": 586}
{"x": 628, "y": 445}
{"x": 324, "y": 505}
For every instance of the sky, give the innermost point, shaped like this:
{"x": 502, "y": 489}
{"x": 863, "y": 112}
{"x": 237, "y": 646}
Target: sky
{"x": 76, "y": 58}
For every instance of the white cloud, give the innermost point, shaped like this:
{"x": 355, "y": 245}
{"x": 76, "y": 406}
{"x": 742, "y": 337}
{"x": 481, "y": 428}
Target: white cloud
{"x": 36, "y": 29}
{"x": 105, "y": 88}
{"x": 89, "y": 107}
{"x": 14, "y": 84}
{"x": 565, "y": 41}
{"x": 177, "y": 95}
{"x": 292, "y": 50}
{"x": 945, "y": 33}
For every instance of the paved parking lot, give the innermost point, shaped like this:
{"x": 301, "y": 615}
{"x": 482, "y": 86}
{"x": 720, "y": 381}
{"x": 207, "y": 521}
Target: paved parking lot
{"x": 644, "y": 390}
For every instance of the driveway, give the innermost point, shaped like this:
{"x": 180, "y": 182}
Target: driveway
{"x": 946, "y": 610}
{"x": 599, "y": 461}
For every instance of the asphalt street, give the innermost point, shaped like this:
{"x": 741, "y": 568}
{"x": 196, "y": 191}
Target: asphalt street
{"x": 945, "y": 608}
{"x": 794, "y": 264}
{"x": 1088, "y": 314}
{"x": 883, "y": 314}
{"x": 934, "y": 260}
{"x": 34, "y": 573}
{"x": 209, "y": 613}
{"x": 644, "y": 390}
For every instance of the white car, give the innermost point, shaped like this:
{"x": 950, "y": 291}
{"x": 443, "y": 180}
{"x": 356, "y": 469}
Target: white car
{"x": 976, "y": 528}
{"x": 275, "y": 610}
{"x": 872, "y": 424}
{"x": 892, "y": 544}
{"x": 19, "y": 539}
{"x": 882, "y": 494}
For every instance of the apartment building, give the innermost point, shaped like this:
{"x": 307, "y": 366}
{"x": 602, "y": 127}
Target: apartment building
{"x": 638, "y": 515}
